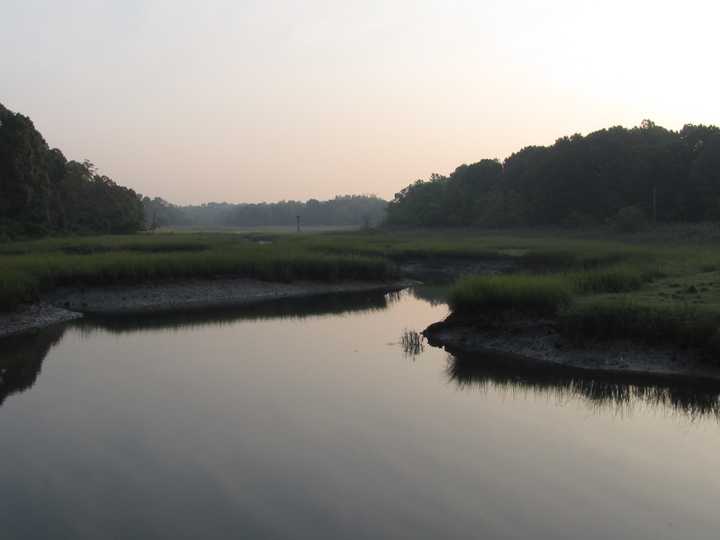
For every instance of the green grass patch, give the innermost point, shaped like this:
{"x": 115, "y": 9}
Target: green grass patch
{"x": 622, "y": 318}
{"x": 657, "y": 293}
{"x": 541, "y": 295}
{"x": 27, "y": 269}
{"x": 544, "y": 294}
{"x": 623, "y": 277}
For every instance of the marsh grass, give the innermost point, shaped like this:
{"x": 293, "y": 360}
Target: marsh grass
{"x": 616, "y": 278}
{"x": 544, "y": 294}
{"x": 28, "y": 269}
{"x": 412, "y": 343}
{"x": 541, "y": 295}
{"x": 656, "y": 295}
{"x": 85, "y": 245}
{"x": 596, "y": 287}
{"x": 622, "y": 318}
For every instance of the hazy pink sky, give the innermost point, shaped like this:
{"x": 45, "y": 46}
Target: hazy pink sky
{"x": 269, "y": 100}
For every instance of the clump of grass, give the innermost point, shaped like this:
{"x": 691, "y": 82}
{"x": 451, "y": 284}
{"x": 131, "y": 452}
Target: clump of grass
{"x": 412, "y": 343}
{"x": 542, "y": 295}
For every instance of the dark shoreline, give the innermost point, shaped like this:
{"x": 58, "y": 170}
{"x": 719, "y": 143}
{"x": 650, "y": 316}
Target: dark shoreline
{"x": 537, "y": 343}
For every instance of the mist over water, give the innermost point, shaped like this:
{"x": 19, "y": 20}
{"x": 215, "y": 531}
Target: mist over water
{"x": 332, "y": 418}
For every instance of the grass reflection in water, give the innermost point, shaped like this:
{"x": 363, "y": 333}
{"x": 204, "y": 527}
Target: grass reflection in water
{"x": 692, "y": 397}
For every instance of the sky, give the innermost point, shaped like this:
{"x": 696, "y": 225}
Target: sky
{"x": 248, "y": 101}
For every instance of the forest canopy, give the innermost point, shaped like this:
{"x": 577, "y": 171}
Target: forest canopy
{"x": 663, "y": 175}
{"x": 41, "y": 192}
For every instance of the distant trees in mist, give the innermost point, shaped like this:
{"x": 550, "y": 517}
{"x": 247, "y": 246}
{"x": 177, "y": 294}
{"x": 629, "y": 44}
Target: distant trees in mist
{"x": 346, "y": 210}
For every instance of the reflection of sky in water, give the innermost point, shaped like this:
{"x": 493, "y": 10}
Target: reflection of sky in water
{"x": 320, "y": 426}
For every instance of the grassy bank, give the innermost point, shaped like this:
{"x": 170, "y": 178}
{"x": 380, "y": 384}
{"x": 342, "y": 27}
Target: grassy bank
{"x": 651, "y": 292}
{"x": 29, "y": 268}
{"x": 662, "y": 287}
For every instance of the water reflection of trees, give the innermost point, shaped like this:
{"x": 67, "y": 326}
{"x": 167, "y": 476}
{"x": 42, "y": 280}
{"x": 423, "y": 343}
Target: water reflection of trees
{"x": 287, "y": 308}
{"x": 691, "y": 396}
{"x": 21, "y": 359}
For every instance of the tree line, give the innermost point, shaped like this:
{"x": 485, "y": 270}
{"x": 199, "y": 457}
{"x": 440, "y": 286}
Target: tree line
{"x": 345, "y": 210}
{"x": 41, "y": 192}
{"x": 646, "y": 172}
{"x": 650, "y": 171}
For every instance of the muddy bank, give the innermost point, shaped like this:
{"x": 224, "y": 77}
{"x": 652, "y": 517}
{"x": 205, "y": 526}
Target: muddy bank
{"x": 539, "y": 342}
{"x": 197, "y": 294}
{"x": 33, "y": 317}
{"x": 66, "y": 304}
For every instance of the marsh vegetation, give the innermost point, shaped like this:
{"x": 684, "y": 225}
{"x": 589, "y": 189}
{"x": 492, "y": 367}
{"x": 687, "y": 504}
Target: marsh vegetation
{"x": 649, "y": 292}
{"x": 28, "y": 269}
{"x": 651, "y": 288}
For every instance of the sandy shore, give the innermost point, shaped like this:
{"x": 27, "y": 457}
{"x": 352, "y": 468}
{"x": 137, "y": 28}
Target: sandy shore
{"x": 541, "y": 343}
{"x": 71, "y": 303}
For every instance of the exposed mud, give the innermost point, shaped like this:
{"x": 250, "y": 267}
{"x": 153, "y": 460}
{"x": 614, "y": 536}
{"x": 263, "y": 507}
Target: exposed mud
{"x": 540, "y": 342}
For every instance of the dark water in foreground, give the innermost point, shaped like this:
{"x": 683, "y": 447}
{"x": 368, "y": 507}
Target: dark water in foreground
{"x": 325, "y": 420}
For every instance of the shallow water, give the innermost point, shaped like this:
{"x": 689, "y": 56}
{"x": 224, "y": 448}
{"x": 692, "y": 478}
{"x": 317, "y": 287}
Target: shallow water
{"x": 329, "y": 419}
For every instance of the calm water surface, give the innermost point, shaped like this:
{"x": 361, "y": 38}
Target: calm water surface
{"x": 328, "y": 420}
